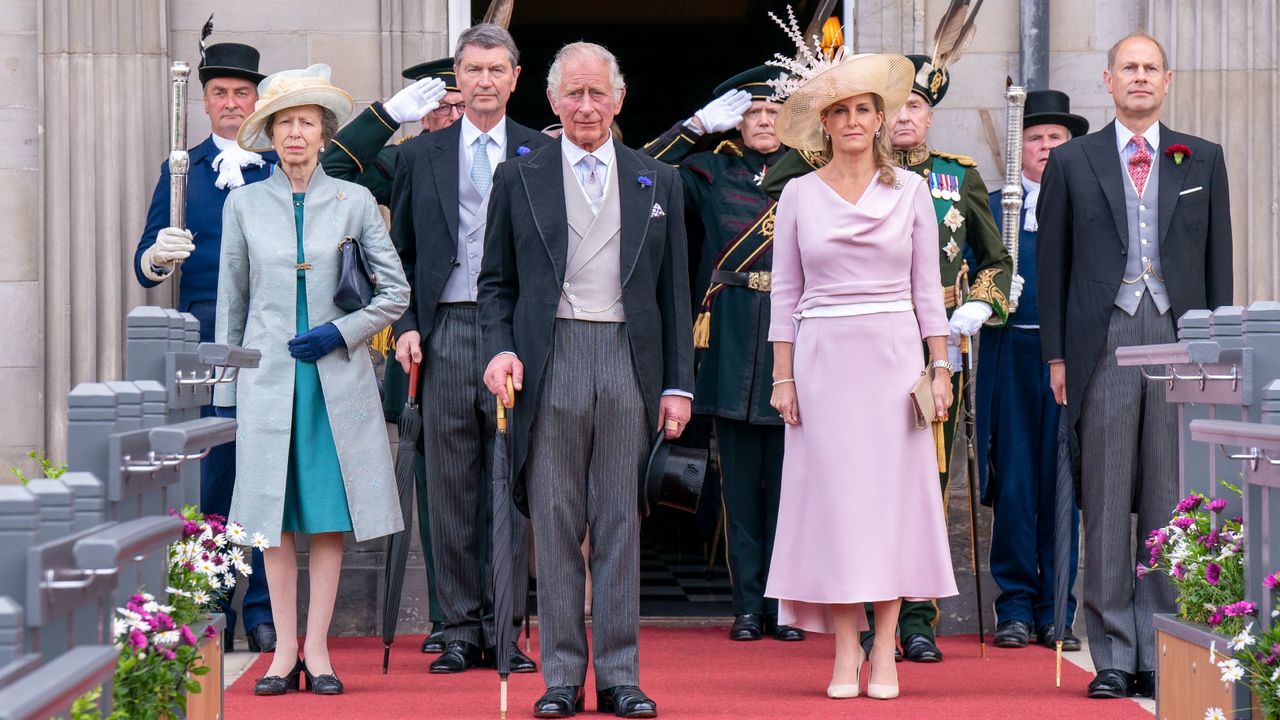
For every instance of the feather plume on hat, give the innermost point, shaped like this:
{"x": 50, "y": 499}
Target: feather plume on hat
{"x": 205, "y": 32}
{"x": 955, "y": 32}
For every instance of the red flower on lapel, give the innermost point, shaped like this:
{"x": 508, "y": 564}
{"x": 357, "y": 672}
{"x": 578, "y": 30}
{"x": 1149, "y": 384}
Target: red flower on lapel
{"x": 1178, "y": 152}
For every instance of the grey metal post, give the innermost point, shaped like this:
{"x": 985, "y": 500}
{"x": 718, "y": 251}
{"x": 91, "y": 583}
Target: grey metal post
{"x": 19, "y": 519}
{"x": 155, "y": 413}
{"x": 1261, "y": 331}
{"x": 91, "y": 418}
{"x": 146, "y": 342}
{"x": 59, "y": 683}
{"x": 88, "y": 499}
{"x": 55, "y": 508}
{"x": 15, "y": 661}
{"x": 1033, "y": 53}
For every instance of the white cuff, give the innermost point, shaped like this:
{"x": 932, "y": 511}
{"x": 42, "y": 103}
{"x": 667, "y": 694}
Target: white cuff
{"x": 677, "y": 393}
{"x": 151, "y": 271}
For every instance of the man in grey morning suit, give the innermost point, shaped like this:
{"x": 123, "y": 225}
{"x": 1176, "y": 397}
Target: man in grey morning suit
{"x": 584, "y": 302}
{"x": 1135, "y": 230}
{"x": 438, "y": 207}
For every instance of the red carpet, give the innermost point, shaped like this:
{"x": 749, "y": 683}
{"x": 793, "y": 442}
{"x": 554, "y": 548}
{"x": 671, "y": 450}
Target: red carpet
{"x": 699, "y": 673}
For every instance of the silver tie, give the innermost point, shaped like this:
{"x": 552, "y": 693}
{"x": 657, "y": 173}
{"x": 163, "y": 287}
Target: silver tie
{"x": 481, "y": 170}
{"x": 591, "y": 181}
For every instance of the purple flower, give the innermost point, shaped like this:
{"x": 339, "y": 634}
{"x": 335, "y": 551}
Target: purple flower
{"x": 1142, "y": 571}
{"x": 644, "y": 181}
{"x": 1215, "y": 618}
{"x": 137, "y": 640}
{"x": 209, "y": 632}
{"x": 188, "y": 637}
{"x": 190, "y": 529}
{"x": 1179, "y": 570}
{"x": 1212, "y": 572}
{"x": 1270, "y": 581}
{"x": 522, "y": 150}
{"x": 1236, "y": 609}
{"x": 166, "y": 653}
{"x": 1189, "y": 503}
{"x": 1217, "y": 506}
{"x": 1183, "y": 522}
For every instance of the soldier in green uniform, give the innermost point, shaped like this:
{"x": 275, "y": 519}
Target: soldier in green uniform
{"x": 359, "y": 153}
{"x": 730, "y": 227}
{"x": 964, "y": 221}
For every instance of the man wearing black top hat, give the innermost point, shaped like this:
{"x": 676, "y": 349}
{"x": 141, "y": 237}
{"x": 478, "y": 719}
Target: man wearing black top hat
{"x": 730, "y": 229}
{"x": 1017, "y": 418}
{"x": 229, "y": 74}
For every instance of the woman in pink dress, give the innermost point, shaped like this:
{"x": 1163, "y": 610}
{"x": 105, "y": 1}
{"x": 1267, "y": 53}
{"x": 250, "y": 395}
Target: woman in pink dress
{"x": 855, "y": 288}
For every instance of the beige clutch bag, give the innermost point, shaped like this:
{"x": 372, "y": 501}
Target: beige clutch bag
{"x": 922, "y": 400}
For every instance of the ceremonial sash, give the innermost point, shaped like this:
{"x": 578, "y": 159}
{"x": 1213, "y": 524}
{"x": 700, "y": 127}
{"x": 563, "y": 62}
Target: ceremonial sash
{"x": 738, "y": 256}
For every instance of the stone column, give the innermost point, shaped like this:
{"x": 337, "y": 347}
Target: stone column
{"x": 103, "y": 74}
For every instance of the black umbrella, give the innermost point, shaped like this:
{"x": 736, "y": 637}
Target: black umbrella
{"x": 1063, "y": 520}
{"x": 969, "y": 389}
{"x": 398, "y": 547}
{"x": 503, "y": 544}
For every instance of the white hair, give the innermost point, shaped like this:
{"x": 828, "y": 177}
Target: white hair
{"x": 581, "y": 51}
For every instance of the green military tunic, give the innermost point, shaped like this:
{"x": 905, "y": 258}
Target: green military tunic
{"x": 359, "y": 152}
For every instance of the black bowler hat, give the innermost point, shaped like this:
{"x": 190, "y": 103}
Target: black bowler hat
{"x": 755, "y": 81}
{"x": 930, "y": 82}
{"x": 673, "y": 477}
{"x": 230, "y": 60}
{"x": 442, "y": 68}
{"x": 1051, "y": 107}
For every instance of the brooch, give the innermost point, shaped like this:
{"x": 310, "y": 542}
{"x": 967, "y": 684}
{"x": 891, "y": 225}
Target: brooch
{"x": 953, "y": 219}
{"x": 952, "y": 250}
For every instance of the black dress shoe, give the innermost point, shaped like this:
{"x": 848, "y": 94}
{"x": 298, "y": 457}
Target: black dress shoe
{"x": 520, "y": 663}
{"x": 1144, "y": 683}
{"x": 459, "y": 655}
{"x": 262, "y": 638}
{"x": 626, "y": 701}
{"x": 1013, "y": 634}
{"x": 870, "y": 640}
{"x": 327, "y": 684}
{"x": 921, "y": 648}
{"x": 434, "y": 642}
{"x": 785, "y": 633}
{"x": 276, "y": 685}
{"x": 228, "y": 640}
{"x": 560, "y": 701}
{"x": 747, "y": 627}
{"x": 1112, "y": 684}
{"x": 1044, "y": 636}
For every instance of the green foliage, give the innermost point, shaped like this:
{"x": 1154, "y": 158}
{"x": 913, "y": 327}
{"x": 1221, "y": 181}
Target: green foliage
{"x": 47, "y": 468}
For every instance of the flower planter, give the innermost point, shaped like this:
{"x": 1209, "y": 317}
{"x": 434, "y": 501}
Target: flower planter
{"x": 1188, "y": 682}
{"x": 207, "y": 704}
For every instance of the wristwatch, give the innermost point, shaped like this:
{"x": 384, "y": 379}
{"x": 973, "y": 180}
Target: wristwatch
{"x": 945, "y": 365}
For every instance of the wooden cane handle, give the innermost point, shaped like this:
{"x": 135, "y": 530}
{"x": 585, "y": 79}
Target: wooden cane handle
{"x": 413, "y": 381}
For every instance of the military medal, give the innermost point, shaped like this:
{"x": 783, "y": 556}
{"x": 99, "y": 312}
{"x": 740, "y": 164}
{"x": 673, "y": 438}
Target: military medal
{"x": 955, "y": 188}
{"x": 935, "y": 185}
{"x": 952, "y": 249}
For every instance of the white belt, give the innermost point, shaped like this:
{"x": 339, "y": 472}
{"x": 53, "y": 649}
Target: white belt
{"x": 852, "y": 309}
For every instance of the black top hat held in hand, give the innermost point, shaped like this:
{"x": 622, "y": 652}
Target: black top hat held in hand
{"x": 673, "y": 477}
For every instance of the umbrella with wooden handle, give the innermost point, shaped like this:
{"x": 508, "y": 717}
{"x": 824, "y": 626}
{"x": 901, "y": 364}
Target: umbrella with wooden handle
{"x": 504, "y": 544}
{"x": 398, "y": 547}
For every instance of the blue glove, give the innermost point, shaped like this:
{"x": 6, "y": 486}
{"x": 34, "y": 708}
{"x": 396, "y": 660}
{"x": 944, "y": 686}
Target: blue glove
{"x": 315, "y": 343}
{"x": 224, "y": 412}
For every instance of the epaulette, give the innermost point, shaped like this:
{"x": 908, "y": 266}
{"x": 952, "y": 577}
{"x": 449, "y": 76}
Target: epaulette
{"x": 728, "y": 146}
{"x": 405, "y": 139}
{"x": 814, "y": 158}
{"x": 964, "y": 160}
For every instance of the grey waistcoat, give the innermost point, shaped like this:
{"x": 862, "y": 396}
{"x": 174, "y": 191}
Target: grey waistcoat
{"x": 592, "y": 288}
{"x": 472, "y": 211}
{"x": 1144, "y": 243}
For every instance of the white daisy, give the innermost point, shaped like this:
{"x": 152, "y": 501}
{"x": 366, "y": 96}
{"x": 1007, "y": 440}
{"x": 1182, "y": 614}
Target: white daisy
{"x": 119, "y": 628}
{"x": 236, "y": 556}
{"x": 1231, "y": 670}
{"x": 200, "y": 597}
{"x": 214, "y": 582}
{"x": 259, "y": 541}
{"x": 168, "y": 637}
{"x": 1214, "y": 713}
{"x": 1243, "y": 640}
{"x": 204, "y": 567}
{"x": 236, "y": 533}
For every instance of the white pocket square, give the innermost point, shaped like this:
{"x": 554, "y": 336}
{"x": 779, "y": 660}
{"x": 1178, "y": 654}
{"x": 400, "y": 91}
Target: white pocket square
{"x": 1197, "y": 188}
{"x": 657, "y": 211}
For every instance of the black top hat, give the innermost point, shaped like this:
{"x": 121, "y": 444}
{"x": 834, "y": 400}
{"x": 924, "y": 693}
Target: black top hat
{"x": 673, "y": 477}
{"x": 230, "y": 60}
{"x": 755, "y": 81}
{"x": 442, "y": 68}
{"x": 1051, "y": 107}
{"x": 930, "y": 82}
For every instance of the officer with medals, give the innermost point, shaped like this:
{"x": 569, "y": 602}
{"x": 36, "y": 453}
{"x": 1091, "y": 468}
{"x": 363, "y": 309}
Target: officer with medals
{"x": 359, "y": 153}
{"x": 964, "y": 221}
{"x": 229, "y": 78}
{"x": 730, "y": 227}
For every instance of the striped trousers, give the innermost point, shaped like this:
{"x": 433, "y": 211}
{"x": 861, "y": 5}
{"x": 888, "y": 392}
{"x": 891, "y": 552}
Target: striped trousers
{"x": 1129, "y": 450}
{"x": 587, "y": 450}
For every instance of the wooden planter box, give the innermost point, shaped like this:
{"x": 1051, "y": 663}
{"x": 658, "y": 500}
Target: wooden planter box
{"x": 207, "y": 704}
{"x": 1187, "y": 682}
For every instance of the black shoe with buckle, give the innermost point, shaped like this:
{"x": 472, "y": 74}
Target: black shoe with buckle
{"x": 1013, "y": 634}
{"x": 459, "y": 655}
{"x": 1112, "y": 684}
{"x": 1044, "y": 636}
{"x": 434, "y": 642}
{"x": 262, "y": 638}
{"x": 921, "y": 648}
{"x": 326, "y": 684}
{"x": 277, "y": 685}
{"x": 626, "y": 701}
{"x": 748, "y": 626}
{"x": 560, "y": 701}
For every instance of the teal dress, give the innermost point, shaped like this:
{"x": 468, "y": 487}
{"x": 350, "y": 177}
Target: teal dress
{"x": 315, "y": 499}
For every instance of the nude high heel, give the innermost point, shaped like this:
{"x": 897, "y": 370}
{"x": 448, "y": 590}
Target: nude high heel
{"x": 882, "y": 692}
{"x": 843, "y": 691}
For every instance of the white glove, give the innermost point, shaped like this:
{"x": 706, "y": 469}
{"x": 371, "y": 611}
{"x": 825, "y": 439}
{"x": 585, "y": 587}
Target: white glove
{"x": 414, "y": 102}
{"x": 1015, "y": 290}
{"x": 953, "y": 354}
{"x": 228, "y": 164}
{"x": 173, "y": 245}
{"x": 725, "y": 112}
{"x": 968, "y": 319}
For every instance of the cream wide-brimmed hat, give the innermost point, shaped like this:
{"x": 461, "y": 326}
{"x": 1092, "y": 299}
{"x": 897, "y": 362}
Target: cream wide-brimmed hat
{"x": 288, "y": 89}
{"x": 799, "y": 123}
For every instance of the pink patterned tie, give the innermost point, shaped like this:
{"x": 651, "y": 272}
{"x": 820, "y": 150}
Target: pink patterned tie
{"x": 1139, "y": 163}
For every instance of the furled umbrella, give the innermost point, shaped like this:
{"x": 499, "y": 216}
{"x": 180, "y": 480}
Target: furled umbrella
{"x": 398, "y": 548}
{"x": 1063, "y": 522}
{"x": 503, "y": 544}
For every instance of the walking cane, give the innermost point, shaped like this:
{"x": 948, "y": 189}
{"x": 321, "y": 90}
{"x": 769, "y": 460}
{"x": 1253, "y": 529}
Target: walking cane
{"x": 970, "y": 393}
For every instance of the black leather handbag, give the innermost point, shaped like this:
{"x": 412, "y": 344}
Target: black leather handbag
{"x": 355, "y": 282}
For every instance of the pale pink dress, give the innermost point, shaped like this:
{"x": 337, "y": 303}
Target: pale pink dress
{"x": 860, "y": 517}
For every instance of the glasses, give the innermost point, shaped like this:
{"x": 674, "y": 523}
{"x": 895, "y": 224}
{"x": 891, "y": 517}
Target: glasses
{"x": 445, "y": 109}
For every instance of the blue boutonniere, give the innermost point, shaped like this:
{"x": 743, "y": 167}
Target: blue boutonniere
{"x": 522, "y": 150}
{"x": 644, "y": 181}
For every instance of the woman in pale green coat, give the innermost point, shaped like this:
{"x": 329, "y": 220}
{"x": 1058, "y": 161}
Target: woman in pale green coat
{"x": 312, "y": 452}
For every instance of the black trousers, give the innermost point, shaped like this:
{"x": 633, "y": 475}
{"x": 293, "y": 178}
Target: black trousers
{"x": 751, "y": 470}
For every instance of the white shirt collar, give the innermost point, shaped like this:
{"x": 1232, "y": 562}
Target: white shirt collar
{"x": 222, "y": 143}
{"x": 1124, "y": 135}
{"x": 1030, "y": 186}
{"x": 498, "y": 133}
{"x": 574, "y": 154}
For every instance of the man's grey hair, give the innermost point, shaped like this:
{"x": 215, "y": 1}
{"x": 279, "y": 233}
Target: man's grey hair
{"x": 487, "y": 35}
{"x": 1139, "y": 34}
{"x": 581, "y": 51}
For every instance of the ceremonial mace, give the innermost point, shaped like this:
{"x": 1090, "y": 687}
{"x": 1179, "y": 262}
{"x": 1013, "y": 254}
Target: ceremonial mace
{"x": 178, "y": 160}
{"x": 1011, "y": 193}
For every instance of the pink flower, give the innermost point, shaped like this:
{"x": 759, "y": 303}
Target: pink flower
{"x": 1189, "y": 503}
{"x": 1183, "y": 522}
{"x": 190, "y": 529}
{"x": 166, "y": 653}
{"x": 137, "y": 640}
{"x": 1236, "y": 609}
{"x": 1215, "y": 618}
{"x": 1179, "y": 571}
{"x": 1217, "y": 506}
{"x": 209, "y": 632}
{"x": 1270, "y": 581}
{"x": 1212, "y": 573}
{"x": 188, "y": 637}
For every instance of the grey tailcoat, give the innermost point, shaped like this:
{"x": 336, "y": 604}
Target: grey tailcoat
{"x": 257, "y": 296}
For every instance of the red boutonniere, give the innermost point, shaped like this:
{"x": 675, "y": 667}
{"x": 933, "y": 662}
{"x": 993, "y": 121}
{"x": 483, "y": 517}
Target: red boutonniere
{"x": 1178, "y": 152}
